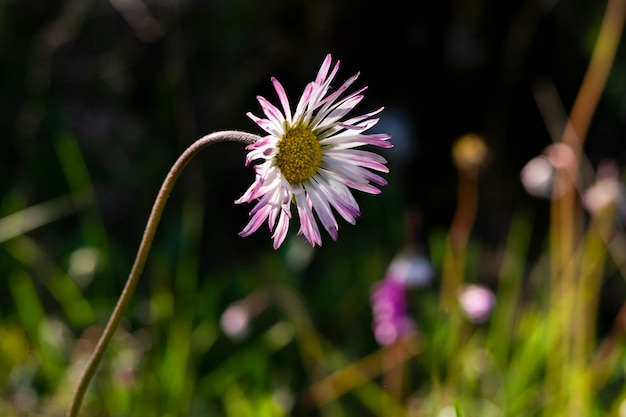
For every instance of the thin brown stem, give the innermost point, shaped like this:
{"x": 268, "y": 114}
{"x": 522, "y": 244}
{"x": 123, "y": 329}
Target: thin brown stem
{"x": 566, "y": 213}
{"x": 142, "y": 255}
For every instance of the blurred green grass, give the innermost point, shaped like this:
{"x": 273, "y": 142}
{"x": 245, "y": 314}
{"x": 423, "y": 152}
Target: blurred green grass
{"x": 310, "y": 350}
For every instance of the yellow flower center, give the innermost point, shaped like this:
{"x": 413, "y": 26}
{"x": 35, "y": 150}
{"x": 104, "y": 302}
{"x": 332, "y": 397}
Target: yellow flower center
{"x": 299, "y": 155}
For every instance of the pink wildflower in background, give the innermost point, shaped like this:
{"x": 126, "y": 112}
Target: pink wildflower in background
{"x": 391, "y": 319}
{"x": 477, "y": 302}
{"x": 389, "y": 309}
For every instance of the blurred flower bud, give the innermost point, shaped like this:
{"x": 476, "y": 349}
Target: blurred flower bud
{"x": 607, "y": 190}
{"x": 476, "y": 302}
{"x": 561, "y": 156}
{"x": 539, "y": 176}
{"x": 603, "y": 194}
{"x": 235, "y": 321}
{"x": 469, "y": 152}
{"x": 237, "y": 318}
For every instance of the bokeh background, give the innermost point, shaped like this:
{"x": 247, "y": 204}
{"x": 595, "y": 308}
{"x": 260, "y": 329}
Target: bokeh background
{"x": 97, "y": 100}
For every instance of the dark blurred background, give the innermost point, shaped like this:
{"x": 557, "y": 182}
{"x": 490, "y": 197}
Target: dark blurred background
{"x": 127, "y": 85}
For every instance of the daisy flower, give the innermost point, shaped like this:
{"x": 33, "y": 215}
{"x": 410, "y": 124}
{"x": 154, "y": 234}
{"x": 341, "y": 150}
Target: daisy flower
{"x": 308, "y": 159}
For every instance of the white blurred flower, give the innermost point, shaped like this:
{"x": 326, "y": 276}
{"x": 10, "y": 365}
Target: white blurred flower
{"x": 604, "y": 193}
{"x": 607, "y": 191}
{"x": 539, "y": 176}
{"x": 477, "y": 302}
{"x": 410, "y": 268}
{"x": 235, "y": 322}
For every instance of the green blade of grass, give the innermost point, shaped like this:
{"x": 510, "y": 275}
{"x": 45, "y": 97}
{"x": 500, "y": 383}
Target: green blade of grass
{"x": 65, "y": 291}
{"x": 31, "y": 313}
{"x": 78, "y": 178}
{"x": 41, "y": 214}
{"x": 508, "y": 293}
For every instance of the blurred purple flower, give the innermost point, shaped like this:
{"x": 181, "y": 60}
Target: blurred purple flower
{"x": 391, "y": 321}
{"x": 477, "y": 302}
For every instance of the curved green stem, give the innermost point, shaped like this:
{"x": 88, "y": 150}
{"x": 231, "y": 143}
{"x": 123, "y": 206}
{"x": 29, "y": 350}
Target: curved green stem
{"x": 142, "y": 255}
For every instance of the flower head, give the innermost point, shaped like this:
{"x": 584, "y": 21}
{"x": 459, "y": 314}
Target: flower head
{"x": 308, "y": 159}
